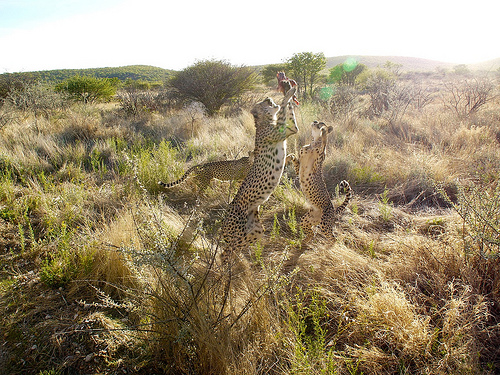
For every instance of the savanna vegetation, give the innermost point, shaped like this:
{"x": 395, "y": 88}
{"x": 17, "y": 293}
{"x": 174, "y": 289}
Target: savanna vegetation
{"x": 102, "y": 271}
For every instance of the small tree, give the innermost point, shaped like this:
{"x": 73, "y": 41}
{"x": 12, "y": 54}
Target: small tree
{"x": 89, "y": 89}
{"x": 304, "y": 67}
{"x": 213, "y": 83}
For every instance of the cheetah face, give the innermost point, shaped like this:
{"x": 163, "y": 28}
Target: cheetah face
{"x": 316, "y": 129}
{"x": 265, "y": 111}
{"x": 319, "y": 129}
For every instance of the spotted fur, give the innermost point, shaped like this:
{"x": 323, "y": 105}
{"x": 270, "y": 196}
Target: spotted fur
{"x": 224, "y": 170}
{"x": 273, "y": 125}
{"x": 309, "y": 167}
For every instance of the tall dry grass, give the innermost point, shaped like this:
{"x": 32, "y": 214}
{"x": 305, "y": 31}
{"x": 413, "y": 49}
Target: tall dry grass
{"x": 102, "y": 272}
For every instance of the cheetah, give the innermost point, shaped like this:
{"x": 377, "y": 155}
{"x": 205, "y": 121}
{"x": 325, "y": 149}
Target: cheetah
{"x": 224, "y": 170}
{"x": 309, "y": 168}
{"x": 273, "y": 125}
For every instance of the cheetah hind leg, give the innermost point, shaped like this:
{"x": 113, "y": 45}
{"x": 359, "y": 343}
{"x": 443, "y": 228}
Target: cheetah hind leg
{"x": 326, "y": 226}
{"x": 308, "y": 221}
{"x": 251, "y": 233}
{"x": 254, "y": 228}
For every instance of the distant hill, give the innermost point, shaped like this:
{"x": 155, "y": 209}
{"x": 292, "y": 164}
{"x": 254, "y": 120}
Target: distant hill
{"x": 154, "y": 74}
{"x": 408, "y": 63}
{"x": 133, "y": 72}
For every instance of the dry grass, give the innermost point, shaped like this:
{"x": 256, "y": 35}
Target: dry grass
{"x": 101, "y": 272}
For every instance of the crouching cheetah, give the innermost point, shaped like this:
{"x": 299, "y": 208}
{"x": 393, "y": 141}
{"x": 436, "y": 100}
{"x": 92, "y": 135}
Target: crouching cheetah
{"x": 273, "y": 125}
{"x": 224, "y": 170}
{"x": 309, "y": 167}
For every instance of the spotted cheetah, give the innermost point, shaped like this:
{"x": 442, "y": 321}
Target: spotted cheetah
{"x": 224, "y": 170}
{"x": 309, "y": 167}
{"x": 273, "y": 125}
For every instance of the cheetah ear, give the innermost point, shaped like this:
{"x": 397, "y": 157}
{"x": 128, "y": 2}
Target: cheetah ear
{"x": 330, "y": 128}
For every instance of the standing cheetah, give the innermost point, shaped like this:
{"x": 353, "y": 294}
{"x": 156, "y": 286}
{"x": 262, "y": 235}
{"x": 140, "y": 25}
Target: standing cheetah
{"x": 309, "y": 167}
{"x": 242, "y": 226}
{"x": 224, "y": 170}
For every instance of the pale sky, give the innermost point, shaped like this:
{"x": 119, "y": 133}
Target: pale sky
{"x": 174, "y": 34}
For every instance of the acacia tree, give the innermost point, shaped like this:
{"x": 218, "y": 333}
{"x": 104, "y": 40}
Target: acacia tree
{"x": 304, "y": 67}
{"x": 213, "y": 83}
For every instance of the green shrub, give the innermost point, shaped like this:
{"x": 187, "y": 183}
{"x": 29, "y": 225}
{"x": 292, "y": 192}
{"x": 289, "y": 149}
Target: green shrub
{"x": 89, "y": 89}
{"x": 213, "y": 83}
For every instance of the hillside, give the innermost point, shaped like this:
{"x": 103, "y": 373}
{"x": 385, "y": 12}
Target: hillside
{"x": 155, "y": 74}
{"x": 134, "y": 72}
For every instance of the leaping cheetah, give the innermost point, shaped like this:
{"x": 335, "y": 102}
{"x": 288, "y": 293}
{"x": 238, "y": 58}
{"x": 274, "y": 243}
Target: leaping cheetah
{"x": 242, "y": 226}
{"x": 224, "y": 170}
{"x": 309, "y": 167}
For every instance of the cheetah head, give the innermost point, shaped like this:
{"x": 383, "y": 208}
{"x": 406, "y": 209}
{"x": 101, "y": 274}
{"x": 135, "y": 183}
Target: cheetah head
{"x": 266, "y": 114}
{"x": 319, "y": 129}
{"x": 265, "y": 111}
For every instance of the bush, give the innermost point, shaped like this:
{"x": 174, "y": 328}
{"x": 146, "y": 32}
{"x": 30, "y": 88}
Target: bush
{"x": 213, "y": 83}
{"x": 14, "y": 81}
{"x": 89, "y": 89}
{"x": 201, "y": 319}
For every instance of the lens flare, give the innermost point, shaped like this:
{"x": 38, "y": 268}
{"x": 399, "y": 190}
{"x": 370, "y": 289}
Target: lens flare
{"x": 326, "y": 93}
{"x": 350, "y": 64}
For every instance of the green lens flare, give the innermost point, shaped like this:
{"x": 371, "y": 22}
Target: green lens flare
{"x": 326, "y": 93}
{"x": 350, "y": 64}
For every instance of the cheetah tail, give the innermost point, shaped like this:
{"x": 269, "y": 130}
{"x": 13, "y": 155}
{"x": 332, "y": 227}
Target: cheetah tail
{"x": 180, "y": 180}
{"x": 344, "y": 185}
